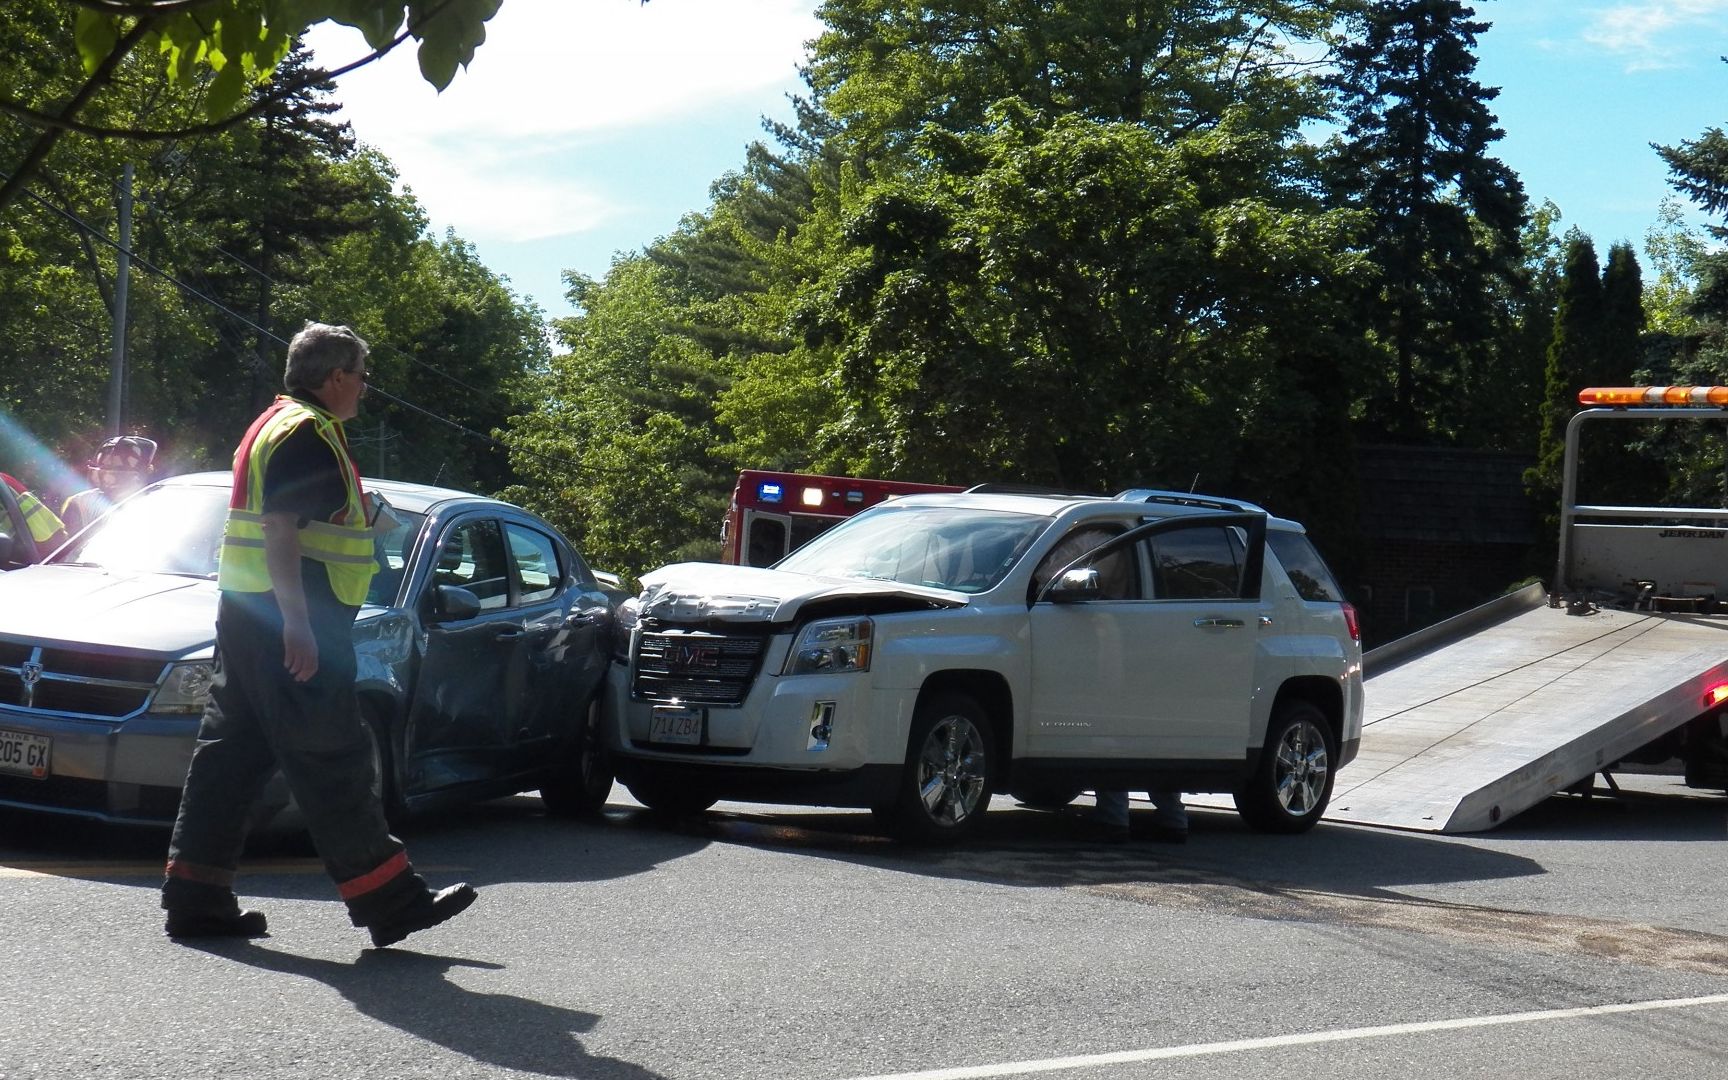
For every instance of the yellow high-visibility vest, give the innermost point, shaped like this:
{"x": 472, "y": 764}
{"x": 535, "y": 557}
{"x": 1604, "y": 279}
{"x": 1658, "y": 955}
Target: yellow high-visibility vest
{"x": 41, "y": 520}
{"x": 343, "y": 543}
{"x": 37, "y": 517}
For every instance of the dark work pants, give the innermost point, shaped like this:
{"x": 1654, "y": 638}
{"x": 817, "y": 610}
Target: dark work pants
{"x": 259, "y": 719}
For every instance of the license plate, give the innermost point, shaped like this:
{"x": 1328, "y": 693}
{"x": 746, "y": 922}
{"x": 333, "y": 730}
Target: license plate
{"x": 25, "y": 755}
{"x": 675, "y": 724}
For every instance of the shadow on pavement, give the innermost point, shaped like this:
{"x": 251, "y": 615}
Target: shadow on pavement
{"x": 1035, "y": 848}
{"x": 509, "y": 840}
{"x": 409, "y": 992}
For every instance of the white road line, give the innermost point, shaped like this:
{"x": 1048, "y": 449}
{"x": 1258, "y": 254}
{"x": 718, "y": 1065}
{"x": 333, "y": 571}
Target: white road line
{"x": 1164, "y": 1053}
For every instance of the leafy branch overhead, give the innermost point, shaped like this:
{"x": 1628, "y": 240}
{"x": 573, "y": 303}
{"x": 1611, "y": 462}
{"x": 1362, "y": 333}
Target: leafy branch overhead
{"x": 225, "y": 50}
{"x": 238, "y": 43}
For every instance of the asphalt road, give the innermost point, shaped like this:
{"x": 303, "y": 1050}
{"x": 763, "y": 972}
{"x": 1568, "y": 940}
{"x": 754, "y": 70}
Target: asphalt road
{"x": 1584, "y": 939}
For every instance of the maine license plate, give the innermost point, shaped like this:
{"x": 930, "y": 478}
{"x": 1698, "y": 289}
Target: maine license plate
{"x": 25, "y": 755}
{"x": 679, "y": 725}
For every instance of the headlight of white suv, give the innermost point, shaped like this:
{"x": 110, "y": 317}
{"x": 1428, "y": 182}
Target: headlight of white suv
{"x": 830, "y": 645}
{"x": 186, "y": 688}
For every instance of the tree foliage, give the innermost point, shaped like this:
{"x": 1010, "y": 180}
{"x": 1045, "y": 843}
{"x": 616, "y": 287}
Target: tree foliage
{"x": 1443, "y": 215}
{"x": 238, "y": 237}
{"x": 219, "y": 55}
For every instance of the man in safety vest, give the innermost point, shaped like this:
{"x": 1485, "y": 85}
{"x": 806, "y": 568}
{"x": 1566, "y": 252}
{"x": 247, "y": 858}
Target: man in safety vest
{"x": 120, "y": 467}
{"x": 296, "y": 562}
{"x": 43, "y": 525}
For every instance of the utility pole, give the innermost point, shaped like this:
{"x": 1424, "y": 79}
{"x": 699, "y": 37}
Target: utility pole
{"x": 122, "y": 276}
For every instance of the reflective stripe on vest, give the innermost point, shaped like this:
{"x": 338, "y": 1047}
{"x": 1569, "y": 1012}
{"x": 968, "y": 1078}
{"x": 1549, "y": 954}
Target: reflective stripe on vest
{"x": 343, "y": 544}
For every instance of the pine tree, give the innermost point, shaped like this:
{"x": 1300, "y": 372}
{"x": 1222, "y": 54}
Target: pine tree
{"x": 1573, "y": 353}
{"x": 1444, "y": 216}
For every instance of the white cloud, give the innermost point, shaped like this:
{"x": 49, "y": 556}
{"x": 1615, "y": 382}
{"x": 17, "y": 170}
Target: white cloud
{"x": 481, "y": 155}
{"x": 1652, "y": 34}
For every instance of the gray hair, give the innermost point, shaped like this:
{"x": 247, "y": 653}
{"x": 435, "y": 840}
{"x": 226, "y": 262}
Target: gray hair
{"x": 319, "y": 349}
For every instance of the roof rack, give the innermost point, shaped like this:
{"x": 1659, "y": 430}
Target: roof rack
{"x": 1028, "y": 489}
{"x": 1183, "y": 498}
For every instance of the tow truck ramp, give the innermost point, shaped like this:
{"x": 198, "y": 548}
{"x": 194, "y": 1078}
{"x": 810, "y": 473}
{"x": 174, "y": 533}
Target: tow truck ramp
{"x": 1486, "y": 714}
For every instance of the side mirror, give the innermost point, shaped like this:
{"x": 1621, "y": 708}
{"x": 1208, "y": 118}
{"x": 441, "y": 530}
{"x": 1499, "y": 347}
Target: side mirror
{"x": 1076, "y": 585}
{"x": 453, "y": 603}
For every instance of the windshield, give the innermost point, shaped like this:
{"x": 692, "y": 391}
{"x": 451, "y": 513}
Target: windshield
{"x": 178, "y": 530}
{"x": 944, "y": 547}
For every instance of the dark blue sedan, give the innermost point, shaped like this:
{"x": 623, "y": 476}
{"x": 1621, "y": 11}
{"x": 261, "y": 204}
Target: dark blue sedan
{"x": 482, "y": 649}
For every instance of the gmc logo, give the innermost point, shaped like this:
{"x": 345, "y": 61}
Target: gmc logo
{"x": 695, "y": 657}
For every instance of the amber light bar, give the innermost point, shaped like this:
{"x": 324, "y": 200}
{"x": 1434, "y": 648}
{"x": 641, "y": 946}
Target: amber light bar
{"x": 1654, "y": 395}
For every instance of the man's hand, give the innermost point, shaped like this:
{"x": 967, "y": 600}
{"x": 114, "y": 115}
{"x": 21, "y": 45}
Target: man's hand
{"x": 299, "y": 649}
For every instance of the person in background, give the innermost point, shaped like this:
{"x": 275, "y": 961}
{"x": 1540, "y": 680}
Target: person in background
{"x": 121, "y": 466}
{"x": 46, "y": 529}
{"x": 296, "y": 564}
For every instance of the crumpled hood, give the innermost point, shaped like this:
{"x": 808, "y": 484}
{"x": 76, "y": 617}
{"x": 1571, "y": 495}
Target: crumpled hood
{"x": 82, "y": 605}
{"x": 694, "y": 592}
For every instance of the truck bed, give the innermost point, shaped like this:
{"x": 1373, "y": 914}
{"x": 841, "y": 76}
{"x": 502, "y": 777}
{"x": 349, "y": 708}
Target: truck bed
{"x": 1484, "y": 716}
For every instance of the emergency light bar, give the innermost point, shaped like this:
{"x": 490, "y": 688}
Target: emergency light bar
{"x": 1654, "y": 395}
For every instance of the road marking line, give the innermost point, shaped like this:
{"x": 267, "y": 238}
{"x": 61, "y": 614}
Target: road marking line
{"x": 1128, "y": 1057}
{"x": 154, "y": 869}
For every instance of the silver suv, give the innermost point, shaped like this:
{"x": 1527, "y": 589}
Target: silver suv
{"x": 938, "y": 648}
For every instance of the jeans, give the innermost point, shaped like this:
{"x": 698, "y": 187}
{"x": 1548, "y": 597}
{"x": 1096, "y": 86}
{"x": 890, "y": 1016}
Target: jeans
{"x": 1168, "y": 810}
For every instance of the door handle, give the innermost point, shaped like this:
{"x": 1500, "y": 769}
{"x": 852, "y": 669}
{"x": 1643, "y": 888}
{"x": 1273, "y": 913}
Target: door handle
{"x": 507, "y": 633}
{"x": 1208, "y": 624}
{"x": 580, "y": 618}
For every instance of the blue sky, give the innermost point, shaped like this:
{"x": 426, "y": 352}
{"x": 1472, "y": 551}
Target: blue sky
{"x": 588, "y": 127}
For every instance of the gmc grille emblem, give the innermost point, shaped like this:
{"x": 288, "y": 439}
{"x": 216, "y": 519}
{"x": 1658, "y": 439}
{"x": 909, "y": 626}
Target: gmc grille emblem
{"x": 696, "y": 657}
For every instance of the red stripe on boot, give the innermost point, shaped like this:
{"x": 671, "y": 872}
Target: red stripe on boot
{"x": 198, "y": 872}
{"x": 372, "y": 880}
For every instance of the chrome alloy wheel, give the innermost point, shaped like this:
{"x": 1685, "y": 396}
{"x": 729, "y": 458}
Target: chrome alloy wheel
{"x": 951, "y": 767}
{"x": 1301, "y": 769}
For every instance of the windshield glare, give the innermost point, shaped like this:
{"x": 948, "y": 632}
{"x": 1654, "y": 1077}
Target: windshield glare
{"x": 943, "y": 547}
{"x": 178, "y": 530}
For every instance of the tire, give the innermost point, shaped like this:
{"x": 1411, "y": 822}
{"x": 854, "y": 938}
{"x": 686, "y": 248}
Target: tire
{"x": 384, "y": 785}
{"x": 667, "y": 797}
{"x": 1048, "y": 795}
{"x": 581, "y": 785}
{"x": 1292, "y": 784}
{"x": 945, "y": 786}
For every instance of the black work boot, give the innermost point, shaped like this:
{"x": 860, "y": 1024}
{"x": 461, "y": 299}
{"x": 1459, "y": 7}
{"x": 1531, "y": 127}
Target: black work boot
{"x": 200, "y": 910}
{"x": 427, "y": 910}
{"x": 207, "y": 924}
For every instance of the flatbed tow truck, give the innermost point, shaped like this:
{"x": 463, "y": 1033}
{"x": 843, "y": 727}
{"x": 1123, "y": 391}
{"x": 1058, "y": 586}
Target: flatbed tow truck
{"x": 1478, "y": 718}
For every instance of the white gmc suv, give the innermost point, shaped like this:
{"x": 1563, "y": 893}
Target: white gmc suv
{"x": 938, "y": 648}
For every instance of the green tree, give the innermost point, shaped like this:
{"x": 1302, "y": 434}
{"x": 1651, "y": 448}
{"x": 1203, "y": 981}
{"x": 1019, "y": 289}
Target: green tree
{"x": 1444, "y": 215}
{"x": 618, "y": 450}
{"x": 1573, "y": 353}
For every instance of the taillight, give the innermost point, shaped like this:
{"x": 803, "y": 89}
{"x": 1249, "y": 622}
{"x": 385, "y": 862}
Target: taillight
{"x": 1715, "y": 695}
{"x": 1354, "y": 625}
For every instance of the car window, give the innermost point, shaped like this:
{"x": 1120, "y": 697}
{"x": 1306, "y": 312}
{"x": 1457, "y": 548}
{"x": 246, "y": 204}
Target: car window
{"x": 1199, "y": 563}
{"x": 391, "y": 551}
{"x": 944, "y": 547}
{"x": 163, "y": 530}
{"x": 535, "y": 557}
{"x": 472, "y": 557}
{"x": 1303, "y": 564}
{"x": 1118, "y": 577}
{"x": 767, "y": 542}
